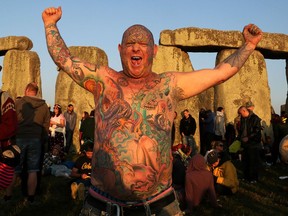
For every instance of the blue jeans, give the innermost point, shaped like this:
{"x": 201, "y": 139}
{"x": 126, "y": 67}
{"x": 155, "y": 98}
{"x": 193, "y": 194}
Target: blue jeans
{"x": 189, "y": 140}
{"x": 30, "y": 154}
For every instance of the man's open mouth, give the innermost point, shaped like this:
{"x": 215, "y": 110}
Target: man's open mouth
{"x": 136, "y": 60}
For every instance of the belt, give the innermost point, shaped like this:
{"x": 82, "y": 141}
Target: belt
{"x": 155, "y": 207}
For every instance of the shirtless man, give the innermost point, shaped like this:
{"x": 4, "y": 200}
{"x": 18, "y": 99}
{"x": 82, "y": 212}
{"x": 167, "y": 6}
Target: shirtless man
{"x": 134, "y": 111}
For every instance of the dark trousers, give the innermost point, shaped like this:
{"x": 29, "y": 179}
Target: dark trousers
{"x": 69, "y": 140}
{"x": 251, "y": 163}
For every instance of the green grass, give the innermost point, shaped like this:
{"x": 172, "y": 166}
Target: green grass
{"x": 268, "y": 197}
{"x": 54, "y": 199}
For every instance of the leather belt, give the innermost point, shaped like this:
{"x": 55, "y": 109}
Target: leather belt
{"x": 155, "y": 207}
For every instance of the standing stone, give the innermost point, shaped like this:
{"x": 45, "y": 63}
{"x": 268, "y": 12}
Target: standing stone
{"x": 250, "y": 83}
{"x": 174, "y": 59}
{"x": 68, "y": 91}
{"x": 19, "y": 69}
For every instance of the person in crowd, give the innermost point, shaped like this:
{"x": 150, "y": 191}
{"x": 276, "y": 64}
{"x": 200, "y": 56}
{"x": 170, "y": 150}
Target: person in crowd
{"x": 187, "y": 131}
{"x": 250, "y": 137}
{"x": 8, "y": 119}
{"x": 87, "y": 129}
{"x": 237, "y": 124}
{"x": 181, "y": 158}
{"x": 202, "y": 114}
{"x": 230, "y": 135}
{"x": 279, "y": 134}
{"x": 49, "y": 107}
{"x": 9, "y": 159}
{"x": 71, "y": 119}
{"x": 220, "y": 127}
{"x": 224, "y": 172}
{"x": 209, "y": 133}
{"x": 81, "y": 172}
{"x": 51, "y": 158}
{"x": 218, "y": 146}
{"x": 85, "y": 115}
{"x": 57, "y": 129}
{"x": 250, "y": 106}
{"x": 199, "y": 183}
{"x": 33, "y": 120}
{"x": 173, "y": 129}
{"x": 134, "y": 111}
{"x": 8, "y": 126}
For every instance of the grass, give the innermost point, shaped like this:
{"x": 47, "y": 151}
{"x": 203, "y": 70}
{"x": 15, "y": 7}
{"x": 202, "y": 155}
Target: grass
{"x": 268, "y": 197}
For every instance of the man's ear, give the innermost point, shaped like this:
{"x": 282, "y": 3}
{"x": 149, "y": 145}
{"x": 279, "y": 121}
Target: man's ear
{"x": 119, "y": 47}
{"x": 155, "y": 50}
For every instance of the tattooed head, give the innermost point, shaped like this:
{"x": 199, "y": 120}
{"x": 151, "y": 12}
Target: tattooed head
{"x": 138, "y": 33}
{"x": 137, "y": 50}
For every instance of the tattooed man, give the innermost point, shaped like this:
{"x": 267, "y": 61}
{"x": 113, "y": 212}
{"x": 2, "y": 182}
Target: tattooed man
{"x": 134, "y": 111}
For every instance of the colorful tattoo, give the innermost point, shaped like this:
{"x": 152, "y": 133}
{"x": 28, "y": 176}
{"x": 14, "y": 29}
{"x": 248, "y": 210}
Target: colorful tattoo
{"x": 56, "y": 46}
{"x": 132, "y": 157}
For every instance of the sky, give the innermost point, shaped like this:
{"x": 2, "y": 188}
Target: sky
{"x": 101, "y": 23}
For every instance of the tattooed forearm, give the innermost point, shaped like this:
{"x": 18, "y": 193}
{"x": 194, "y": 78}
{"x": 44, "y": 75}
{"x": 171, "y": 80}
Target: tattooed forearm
{"x": 56, "y": 46}
{"x": 238, "y": 58}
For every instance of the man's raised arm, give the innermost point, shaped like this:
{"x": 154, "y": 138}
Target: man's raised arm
{"x": 58, "y": 50}
{"x": 193, "y": 83}
{"x": 55, "y": 44}
{"x": 252, "y": 35}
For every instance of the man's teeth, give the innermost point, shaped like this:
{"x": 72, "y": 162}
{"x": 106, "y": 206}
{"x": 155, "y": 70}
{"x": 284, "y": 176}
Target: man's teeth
{"x": 136, "y": 58}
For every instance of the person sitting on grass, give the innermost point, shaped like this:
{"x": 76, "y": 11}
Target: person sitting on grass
{"x": 81, "y": 172}
{"x": 198, "y": 184}
{"x": 51, "y": 158}
{"x": 224, "y": 172}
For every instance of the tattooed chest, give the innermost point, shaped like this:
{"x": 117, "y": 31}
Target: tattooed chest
{"x": 134, "y": 113}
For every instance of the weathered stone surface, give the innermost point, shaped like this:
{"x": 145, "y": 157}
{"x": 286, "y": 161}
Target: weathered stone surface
{"x": 14, "y": 42}
{"x": 273, "y": 46}
{"x": 173, "y": 59}
{"x": 19, "y": 69}
{"x": 67, "y": 91}
{"x": 250, "y": 83}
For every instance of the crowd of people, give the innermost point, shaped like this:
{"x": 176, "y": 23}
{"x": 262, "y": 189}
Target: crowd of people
{"x": 130, "y": 171}
{"x": 222, "y": 144}
{"x": 35, "y": 142}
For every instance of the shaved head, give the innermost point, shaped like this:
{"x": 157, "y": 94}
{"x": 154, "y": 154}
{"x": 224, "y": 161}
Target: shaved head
{"x": 138, "y": 33}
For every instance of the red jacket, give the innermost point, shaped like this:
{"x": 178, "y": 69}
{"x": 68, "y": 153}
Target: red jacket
{"x": 8, "y": 118}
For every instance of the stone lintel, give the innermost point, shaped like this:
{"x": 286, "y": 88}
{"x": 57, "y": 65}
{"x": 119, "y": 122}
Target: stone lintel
{"x": 272, "y": 45}
{"x": 14, "y": 42}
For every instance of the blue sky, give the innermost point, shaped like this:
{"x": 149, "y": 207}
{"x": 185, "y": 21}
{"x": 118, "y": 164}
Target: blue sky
{"x": 101, "y": 23}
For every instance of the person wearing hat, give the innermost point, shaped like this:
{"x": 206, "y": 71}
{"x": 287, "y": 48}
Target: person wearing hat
{"x": 224, "y": 173}
{"x": 250, "y": 106}
{"x": 9, "y": 158}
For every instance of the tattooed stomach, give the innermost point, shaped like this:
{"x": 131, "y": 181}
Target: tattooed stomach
{"x": 133, "y": 170}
